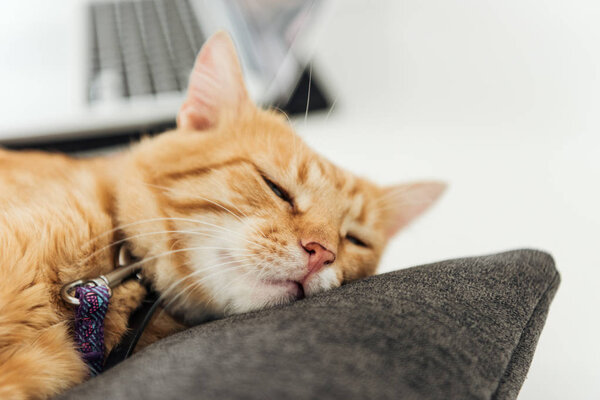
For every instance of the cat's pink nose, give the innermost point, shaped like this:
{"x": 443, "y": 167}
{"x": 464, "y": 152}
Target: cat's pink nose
{"x": 318, "y": 256}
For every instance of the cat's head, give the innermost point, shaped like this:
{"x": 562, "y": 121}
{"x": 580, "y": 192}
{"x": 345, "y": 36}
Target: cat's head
{"x": 233, "y": 212}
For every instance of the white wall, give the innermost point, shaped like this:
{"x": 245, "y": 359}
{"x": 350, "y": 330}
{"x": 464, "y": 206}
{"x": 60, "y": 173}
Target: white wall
{"x": 502, "y": 100}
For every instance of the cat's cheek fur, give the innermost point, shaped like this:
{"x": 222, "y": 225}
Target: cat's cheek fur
{"x": 253, "y": 281}
{"x": 238, "y": 273}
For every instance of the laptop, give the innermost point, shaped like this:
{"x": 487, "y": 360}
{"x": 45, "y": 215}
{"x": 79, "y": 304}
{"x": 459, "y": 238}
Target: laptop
{"x": 72, "y": 69}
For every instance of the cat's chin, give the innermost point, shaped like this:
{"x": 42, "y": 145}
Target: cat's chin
{"x": 290, "y": 288}
{"x": 265, "y": 294}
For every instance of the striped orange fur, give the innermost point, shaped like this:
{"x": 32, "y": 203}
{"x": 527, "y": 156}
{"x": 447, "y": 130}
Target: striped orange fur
{"x": 231, "y": 212}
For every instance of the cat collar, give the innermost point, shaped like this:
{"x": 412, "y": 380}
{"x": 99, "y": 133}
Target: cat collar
{"x": 92, "y": 297}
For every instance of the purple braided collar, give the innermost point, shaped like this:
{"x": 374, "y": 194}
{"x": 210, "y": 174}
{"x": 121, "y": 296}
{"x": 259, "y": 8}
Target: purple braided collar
{"x": 89, "y": 324}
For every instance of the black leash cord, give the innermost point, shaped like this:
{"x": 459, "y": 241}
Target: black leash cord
{"x": 137, "y": 323}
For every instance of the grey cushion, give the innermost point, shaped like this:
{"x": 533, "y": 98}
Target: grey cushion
{"x": 458, "y": 329}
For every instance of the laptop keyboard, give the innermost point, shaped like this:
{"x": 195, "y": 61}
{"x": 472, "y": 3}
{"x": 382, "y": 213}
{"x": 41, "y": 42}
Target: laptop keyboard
{"x": 141, "y": 47}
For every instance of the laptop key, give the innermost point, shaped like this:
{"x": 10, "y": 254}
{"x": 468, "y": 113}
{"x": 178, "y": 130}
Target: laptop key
{"x": 109, "y": 54}
{"x": 181, "y": 52}
{"x": 155, "y": 47}
{"x": 135, "y": 63}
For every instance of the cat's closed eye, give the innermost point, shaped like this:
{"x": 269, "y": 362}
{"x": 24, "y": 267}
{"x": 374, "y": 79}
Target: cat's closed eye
{"x": 279, "y": 192}
{"x": 354, "y": 240}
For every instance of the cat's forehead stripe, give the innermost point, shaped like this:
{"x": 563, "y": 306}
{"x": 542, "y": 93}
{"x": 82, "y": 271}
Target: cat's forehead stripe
{"x": 317, "y": 170}
{"x": 302, "y": 172}
{"x": 198, "y": 171}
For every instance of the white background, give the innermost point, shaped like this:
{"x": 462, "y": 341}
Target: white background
{"x": 501, "y": 99}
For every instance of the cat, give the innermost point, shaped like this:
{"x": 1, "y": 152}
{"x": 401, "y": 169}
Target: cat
{"x": 230, "y": 212}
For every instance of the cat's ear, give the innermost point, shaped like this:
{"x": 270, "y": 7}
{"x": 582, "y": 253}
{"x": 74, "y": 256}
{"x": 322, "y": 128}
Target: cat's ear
{"x": 403, "y": 203}
{"x": 216, "y": 85}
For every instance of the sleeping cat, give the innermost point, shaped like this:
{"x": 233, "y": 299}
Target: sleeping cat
{"x": 230, "y": 212}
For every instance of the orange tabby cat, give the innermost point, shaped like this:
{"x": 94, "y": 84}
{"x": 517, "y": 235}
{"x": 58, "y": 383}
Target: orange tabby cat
{"x": 230, "y": 212}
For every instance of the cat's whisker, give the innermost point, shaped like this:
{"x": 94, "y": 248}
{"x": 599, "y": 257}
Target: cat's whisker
{"x": 287, "y": 117}
{"x": 164, "y": 188}
{"x": 92, "y": 255}
{"x": 196, "y": 221}
{"x": 308, "y": 94}
{"x": 219, "y": 228}
{"x": 170, "y": 252}
{"x": 232, "y": 260}
{"x": 246, "y": 223}
{"x": 252, "y": 242}
{"x": 261, "y": 272}
{"x": 233, "y": 205}
{"x": 189, "y": 289}
{"x": 331, "y": 109}
{"x": 239, "y": 235}
{"x": 251, "y": 270}
{"x": 223, "y": 207}
{"x": 216, "y": 293}
{"x": 197, "y": 283}
{"x": 199, "y": 271}
{"x": 230, "y": 284}
{"x": 144, "y": 221}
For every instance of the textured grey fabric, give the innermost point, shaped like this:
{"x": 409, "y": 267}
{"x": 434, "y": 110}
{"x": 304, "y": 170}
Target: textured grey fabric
{"x": 458, "y": 329}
